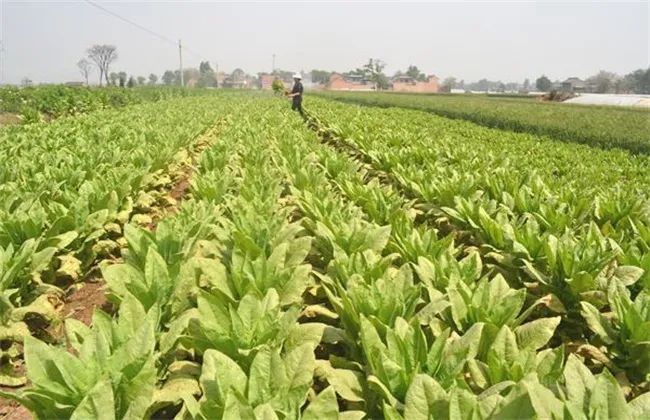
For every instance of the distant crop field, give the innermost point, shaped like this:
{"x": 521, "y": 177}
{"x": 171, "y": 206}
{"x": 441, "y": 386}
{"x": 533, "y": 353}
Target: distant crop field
{"x": 33, "y": 104}
{"x": 599, "y": 126}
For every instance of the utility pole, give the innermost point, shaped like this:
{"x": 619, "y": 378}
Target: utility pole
{"x": 273, "y": 66}
{"x": 180, "y": 58}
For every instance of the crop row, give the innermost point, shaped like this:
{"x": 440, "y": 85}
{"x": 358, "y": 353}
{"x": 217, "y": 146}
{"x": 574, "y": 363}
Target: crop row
{"x": 606, "y": 127}
{"x": 71, "y": 187}
{"x": 579, "y": 267}
{"x": 497, "y": 184}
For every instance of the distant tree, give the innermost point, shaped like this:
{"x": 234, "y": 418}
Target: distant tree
{"x": 103, "y": 56}
{"x": 461, "y": 84}
{"x": 168, "y": 78}
{"x": 204, "y": 67}
{"x": 638, "y": 81}
{"x": 207, "y": 78}
{"x": 131, "y": 83}
{"x": 448, "y": 84}
{"x": 26, "y": 81}
{"x": 238, "y": 75}
{"x": 483, "y": 85}
{"x": 381, "y": 81}
{"x": 603, "y": 82}
{"x": 153, "y": 79}
{"x": 85, "y": 67}
{"x": 191, "y": 74}
{"x": 374, "y": 71}
{"x": 512, "y": 86}
{"x": 114, "y": 77}
{"x": 320, "y": 76}
{"x": 122, "y": 76}
{"x": 413, "y": 72}
{"x": 622, "y": 85}
{"x": 543, "y": 83}
{"x": 141, "y": 80}
{"x": 283, "y": 74}
{"x": 526, "y": 85}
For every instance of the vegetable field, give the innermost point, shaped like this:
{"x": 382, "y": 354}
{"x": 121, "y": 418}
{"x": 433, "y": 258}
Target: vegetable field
{"x": 33, "y": 104}
{"x": 365, "y": 263}
{"x": 602, "y": 126}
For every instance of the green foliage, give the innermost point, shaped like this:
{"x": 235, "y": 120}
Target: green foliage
{"x": 606, "y": 127}
{"x": 543, "y": 84}
{"x": 402, "y": 267}
{"x": 277, "y": 86}
{"x": 33, "y": 103}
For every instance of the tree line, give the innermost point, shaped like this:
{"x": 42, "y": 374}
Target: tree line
{"x": 102, "y": 58}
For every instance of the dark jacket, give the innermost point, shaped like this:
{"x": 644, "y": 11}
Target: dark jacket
{"x": 297, "y": 88}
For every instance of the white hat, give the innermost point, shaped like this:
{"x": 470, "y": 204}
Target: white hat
{"x": 297, "y": 76}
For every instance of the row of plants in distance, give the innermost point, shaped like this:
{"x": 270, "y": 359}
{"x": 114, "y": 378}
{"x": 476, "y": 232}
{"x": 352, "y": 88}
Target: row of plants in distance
{"x": 295, "y": 283}
{"x": 46, "y": 102}
{"x": 605, "y": 127}
{"x": 70, "y": 189}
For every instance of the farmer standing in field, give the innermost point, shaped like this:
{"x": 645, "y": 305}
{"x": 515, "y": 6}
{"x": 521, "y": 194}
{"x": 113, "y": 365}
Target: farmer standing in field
{"x": 296, "y": 94}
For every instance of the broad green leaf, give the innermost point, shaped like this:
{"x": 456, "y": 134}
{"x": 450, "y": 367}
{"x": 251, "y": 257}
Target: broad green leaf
{"x": 300, "y": 364}
{"x": 640, "y": 406}
{"x": 422, "y": 399}
{"x": 628, "y": 274}
{"x": 323, "y": 407}
{"x": 607, "y": 400}
{"x": 267, "y": 376}
{"x": 97, "y": 404}
{"x": 235, "y": 407}
{"x": 579, "y": 381}
{"x": 219, "y": 375}
{"x": 597, "y": 322}
{"x": 535, "y": 334}
{"x": 265, "y": 412}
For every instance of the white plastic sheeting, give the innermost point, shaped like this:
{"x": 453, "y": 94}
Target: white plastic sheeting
{"x": 610, "y": 99}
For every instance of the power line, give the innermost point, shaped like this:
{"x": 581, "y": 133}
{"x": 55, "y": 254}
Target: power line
{"x": 147, "y": 30}
{"x": 130, "y": 22}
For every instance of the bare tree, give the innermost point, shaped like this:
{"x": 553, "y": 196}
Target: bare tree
{"x": 103, "y": 56}
{"x": 85, "y": 67}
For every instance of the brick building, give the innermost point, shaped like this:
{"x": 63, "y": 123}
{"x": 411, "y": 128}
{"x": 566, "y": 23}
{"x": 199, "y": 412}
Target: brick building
{"x": 356, "y": 83}
{"x": 408, "y": 84}
{"x": 398, "y": 84}
{"x": 266, "y": 81}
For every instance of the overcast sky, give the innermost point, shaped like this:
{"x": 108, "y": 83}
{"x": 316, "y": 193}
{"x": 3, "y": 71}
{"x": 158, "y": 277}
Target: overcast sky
{"x": 506, "y": 41}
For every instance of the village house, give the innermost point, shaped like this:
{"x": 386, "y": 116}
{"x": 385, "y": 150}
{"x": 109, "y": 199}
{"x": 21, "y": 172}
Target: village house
{"x": 408, "y": 84}
{"x": 266, "y": 81}
{"x": 398, "y": 84}
{"x": 575, "y": 84}
{"x": 349, "y": 82}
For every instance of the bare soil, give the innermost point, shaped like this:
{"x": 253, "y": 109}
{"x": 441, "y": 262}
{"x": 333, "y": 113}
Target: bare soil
{"x": 82, "y": 303}
{"x": 178, "y": 192}
{"x": 11, "y": 410}
{"x": 8, "y": 118}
